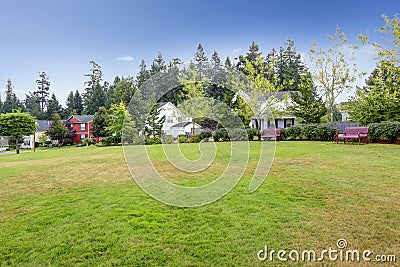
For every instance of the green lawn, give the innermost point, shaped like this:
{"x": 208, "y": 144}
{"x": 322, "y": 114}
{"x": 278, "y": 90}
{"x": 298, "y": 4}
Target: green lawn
{"x": 80, "y": 207}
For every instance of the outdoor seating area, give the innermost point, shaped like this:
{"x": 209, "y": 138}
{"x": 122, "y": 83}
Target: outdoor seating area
{"x": 352, "y": 133}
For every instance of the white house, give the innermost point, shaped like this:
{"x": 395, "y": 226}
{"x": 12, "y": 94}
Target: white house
{"x": 30, "y": 140}
{"x": 280, "y": 103}
{"x": 184, "y": 128}
{"x": 3, "y": 144}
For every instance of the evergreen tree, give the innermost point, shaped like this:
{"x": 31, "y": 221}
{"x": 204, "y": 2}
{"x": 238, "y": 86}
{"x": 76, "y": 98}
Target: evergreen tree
{"x": 94, "y": 96}
{"x": 78, "y": 103}
{"x": 251, "y": 56}
{"x": 307, "y": 105}
{"x": 143, "y": 74}
{"x": 153, "y": 129}
{"x": 1, "y": 105}
{"x": 32, "y": 106}
{"x": 379, "y": 100}
{"x": 53, "y": 107}
{"x": 100, "y": 122}
{"x": 70, "y": 105}
{"x": 201, "y": 61}
{"x": 42, "y": 93}
{"x": 11, "y": 103}
{"x": 228, "y": 63}
{"x": 57, "y": 130}
{"x": 158, "y": 65}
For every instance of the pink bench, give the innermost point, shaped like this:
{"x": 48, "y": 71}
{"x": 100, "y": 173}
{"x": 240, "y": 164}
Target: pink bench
{"x": 353, "y": 133}
{"x": 271, "y": 133}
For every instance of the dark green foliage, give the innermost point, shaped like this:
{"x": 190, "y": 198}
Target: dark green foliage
{"x": 95, "y": 95}
{"x": 57, "y": 130}
{"x": 313, "y": 131}
{"x": 153, "y": 141}
{"x": 251, "y": 133}
{"x": 380, "y": 99}
{"x": 205, "y": 134}
{"x": 221, "y": 135}
{"x": 42, "y": 93}
{"x": 307, "y": 105}
{"x": 53, "y": 107}
{"x": 16, "y": 125}
{"x": 32, "y": 106}
{"x": 11, "y": 102}
{"x": 100, "y": 122}
{"x": 384, "y": 132}
{"x": 155, "y": 123}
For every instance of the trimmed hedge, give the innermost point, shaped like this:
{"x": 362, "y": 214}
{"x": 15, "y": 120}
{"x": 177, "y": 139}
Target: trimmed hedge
{"x": 385, "y": 131}
{"x": 313, "y": 131}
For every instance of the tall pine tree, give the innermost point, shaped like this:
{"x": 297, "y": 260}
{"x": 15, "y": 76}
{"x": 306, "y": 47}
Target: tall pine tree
{"x": 53, "y": 107}
{"x": 94, "y": 96}
{"x": 11, "y": 102}
{"x": 42, "y": 93}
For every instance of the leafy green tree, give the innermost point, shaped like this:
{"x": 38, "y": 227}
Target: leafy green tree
{"x": 43, "y": 139}
{"x": 32, "y": 106}
{"x": 117, "y": 114}
{"x": 11, "y": 102}
{"x": 42, "y": 93}
{"x": 123, "y": 90}
{"x": 57, "y": 130}
{"x": 53, "y": 107}
{"x": 16, "y": 125}
{"x": 307, "y": 105}
{"x": 100, "y": 122}
{"x": 332, "y": 72}
{"x": 379, "y": 100}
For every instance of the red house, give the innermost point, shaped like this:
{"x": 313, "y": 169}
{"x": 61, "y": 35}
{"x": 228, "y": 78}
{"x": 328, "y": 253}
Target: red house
{"x": 79, "y": 127}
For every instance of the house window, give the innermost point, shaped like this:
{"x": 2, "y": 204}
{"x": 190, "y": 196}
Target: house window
{"x": 170, "y": 119}
{"x": 83, "y": 126}
{"x": 83, "y": 136}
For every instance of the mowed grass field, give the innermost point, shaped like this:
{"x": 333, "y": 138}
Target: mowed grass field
{"x": 79, "y": 206}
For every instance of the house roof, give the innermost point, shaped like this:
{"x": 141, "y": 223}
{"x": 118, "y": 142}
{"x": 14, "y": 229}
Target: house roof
{"x": 184, "y": 124}
{"x": 163, "y": 104}
{"x": 280, "y": 95}
{"x": 83, "y": 118}
{"x": 43, "y": 125}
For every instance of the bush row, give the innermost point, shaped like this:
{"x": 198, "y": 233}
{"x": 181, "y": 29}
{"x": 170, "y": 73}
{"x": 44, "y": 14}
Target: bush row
{"x": 314, "y": 131}
{"x": 384, "y": 132}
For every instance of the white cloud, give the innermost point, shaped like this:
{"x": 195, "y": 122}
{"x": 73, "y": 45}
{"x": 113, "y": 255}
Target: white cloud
{"x": 125, "y": 58}
{"x": 236, "y": 50}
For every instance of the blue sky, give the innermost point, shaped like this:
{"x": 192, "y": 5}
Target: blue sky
{"x": 60, "y": 37}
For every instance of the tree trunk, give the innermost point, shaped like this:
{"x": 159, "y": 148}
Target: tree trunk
{"x": 17, "y": 145}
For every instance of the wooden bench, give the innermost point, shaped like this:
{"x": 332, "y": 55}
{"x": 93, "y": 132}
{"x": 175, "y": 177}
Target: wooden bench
{"x": 353, "y": 133}
{"x": 271, "y": 133}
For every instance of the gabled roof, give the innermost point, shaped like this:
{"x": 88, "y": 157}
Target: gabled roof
{"x": 83, "y": 118}
{"x": 184, "y": 124}
{"x": 43, "y": 125}
{"x": 280, "y": 95}
{"x": 163, "y": 104}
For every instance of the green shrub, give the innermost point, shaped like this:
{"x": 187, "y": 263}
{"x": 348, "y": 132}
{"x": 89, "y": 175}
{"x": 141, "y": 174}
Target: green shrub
{"x": 87, "y": 142}
{"x": 205, "y": 134}
{"x": 153, "y": 141}
{"x": 194, "y": 138}
{"x": 238, "y": 134}
{"x": 251, "y": 133}
{"x": 168, "y": 139}
{"x": 221, "y": 135}
{"x": 313, "y": 131}
{"x": 182, "y": 139}
{"x": 384, "y": 131}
